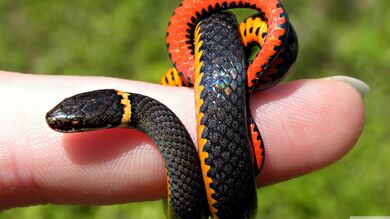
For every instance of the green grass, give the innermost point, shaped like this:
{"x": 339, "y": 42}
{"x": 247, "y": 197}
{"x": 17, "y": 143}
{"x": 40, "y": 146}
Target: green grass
{"x": 127, "y": 39}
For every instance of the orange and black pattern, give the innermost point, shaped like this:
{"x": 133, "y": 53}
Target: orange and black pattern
{"x": 172, "y": 78}
{"x": 225, "y": 64}
{"x": 185, "y": 18}
{"x": 269, "y": 30}
{"x": 223, "y": 143}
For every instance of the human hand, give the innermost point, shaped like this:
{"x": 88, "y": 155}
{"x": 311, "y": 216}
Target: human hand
{"x": 306, "y": 125}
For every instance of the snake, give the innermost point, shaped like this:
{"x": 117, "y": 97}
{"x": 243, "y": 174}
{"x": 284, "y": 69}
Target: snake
{"x": 225, "y": 62}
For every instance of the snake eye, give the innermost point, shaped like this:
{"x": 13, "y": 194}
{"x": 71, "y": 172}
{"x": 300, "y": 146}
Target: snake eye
{"x": 75, "y": 122}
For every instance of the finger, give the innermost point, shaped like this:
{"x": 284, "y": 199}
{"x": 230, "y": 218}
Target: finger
{"x": 305, "y": 126}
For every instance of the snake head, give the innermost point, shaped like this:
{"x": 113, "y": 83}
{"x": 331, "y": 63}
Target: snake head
{"x": 87, "y": 111}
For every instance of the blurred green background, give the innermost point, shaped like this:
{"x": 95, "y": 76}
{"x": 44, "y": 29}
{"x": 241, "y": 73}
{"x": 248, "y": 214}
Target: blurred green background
{"x": 125, "y": 38}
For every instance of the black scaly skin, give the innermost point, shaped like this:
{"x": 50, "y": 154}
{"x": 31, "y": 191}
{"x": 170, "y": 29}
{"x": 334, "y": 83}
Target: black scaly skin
{"x": 103, "y": 109}
{"x": 225, "y": 119}
{"x": 188, "y": 198}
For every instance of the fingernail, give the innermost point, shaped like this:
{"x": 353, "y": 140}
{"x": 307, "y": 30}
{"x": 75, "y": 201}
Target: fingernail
{"x": 359, "y": 85}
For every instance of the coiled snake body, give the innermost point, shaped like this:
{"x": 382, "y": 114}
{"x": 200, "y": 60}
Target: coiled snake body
{"x": 211, "y": 52}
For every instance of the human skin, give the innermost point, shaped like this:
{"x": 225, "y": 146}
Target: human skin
{"x": 306, "y": 125}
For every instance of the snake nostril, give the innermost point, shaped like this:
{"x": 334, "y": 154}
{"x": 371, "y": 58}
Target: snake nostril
{"x": 50, "y": 119}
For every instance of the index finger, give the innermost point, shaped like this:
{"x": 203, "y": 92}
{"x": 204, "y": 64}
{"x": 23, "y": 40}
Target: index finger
{"x": 305, "y": 124}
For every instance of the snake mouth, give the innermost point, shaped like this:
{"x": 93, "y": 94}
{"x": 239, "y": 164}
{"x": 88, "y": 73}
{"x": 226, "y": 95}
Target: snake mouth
{"x": 59, "y": 121}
